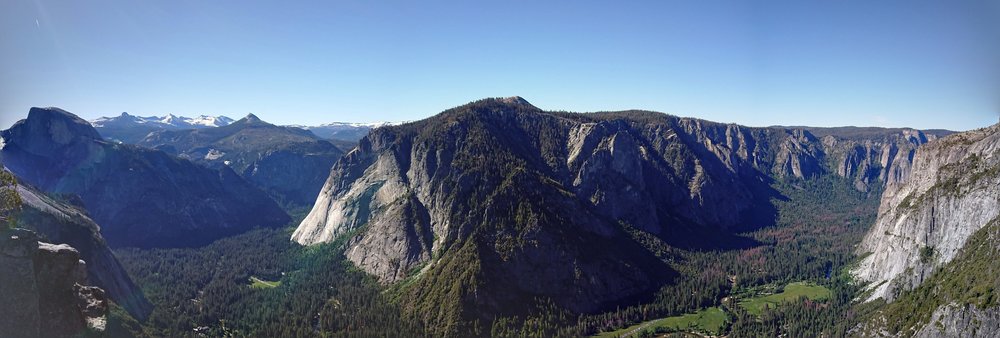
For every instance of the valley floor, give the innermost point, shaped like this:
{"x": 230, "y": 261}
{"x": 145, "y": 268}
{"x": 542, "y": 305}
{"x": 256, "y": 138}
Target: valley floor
{"x": 712, "y": 321}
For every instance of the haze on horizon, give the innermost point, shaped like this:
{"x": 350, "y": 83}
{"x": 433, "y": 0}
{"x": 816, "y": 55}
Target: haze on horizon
{"x": 922, "y": 64}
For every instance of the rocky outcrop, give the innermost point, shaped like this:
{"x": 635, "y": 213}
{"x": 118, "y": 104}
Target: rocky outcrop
{"x": 45, "y": 292}
{"x": 289, "y": 163}
{"x": 954, "y": 320}
{"x": 930, "y": 208}
{"x": 510, "y": 197}
{"x": 59, "y": 222}
{"x": 140, "y": 197}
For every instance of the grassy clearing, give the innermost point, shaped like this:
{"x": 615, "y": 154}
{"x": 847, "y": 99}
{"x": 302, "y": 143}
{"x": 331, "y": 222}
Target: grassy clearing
{"x": 258, "y": 283}
{"x": 709, "y": 321}
{"x": 792, "y": 292}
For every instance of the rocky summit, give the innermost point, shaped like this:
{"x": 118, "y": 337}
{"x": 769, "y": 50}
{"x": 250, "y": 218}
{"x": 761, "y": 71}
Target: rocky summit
{"x": 140, "y": 197}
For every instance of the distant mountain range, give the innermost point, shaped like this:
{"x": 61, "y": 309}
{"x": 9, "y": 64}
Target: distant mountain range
{"x": 343, "y": 130}
{"x": 140, "y": 197}
{"x": 288, "y": 163}
{"x": 169, "y": 121}
{"x": 131, "y": 129}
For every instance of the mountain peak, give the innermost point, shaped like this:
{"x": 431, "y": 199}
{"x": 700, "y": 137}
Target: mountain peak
{"x": 252, "y": 120}
{"x": 517, "y": 100}
{"x": 50, "y": 127}
{"x": 60, "y": 123}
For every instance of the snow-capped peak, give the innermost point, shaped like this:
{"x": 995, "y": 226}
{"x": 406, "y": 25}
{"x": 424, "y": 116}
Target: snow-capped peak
{"x": 210, "y": 121}
{"x": 168, "y": 121}
{"x": 172, "y": 119}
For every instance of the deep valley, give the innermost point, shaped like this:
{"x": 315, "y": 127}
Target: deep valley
{"x": 497, "y": 218}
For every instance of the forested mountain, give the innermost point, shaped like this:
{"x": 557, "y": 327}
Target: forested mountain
{"x": 493, "y": 205}
{"x": 933, "y": 249}
{"x": 289, "y": 163}
{"x": 140, "y": 197}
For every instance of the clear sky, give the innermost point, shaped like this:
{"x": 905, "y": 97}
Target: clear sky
{"x": 924, "y": 64}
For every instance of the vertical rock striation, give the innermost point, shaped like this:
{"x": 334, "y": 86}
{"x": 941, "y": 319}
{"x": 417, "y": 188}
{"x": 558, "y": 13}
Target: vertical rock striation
{"x": 929, "y": 209}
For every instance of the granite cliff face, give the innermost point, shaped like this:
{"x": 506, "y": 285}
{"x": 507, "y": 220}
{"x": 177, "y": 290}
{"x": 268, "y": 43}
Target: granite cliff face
{"x": 45, "y": 289}
{"x": 932, "y": 252}
{"x": 957, "y": 299}
{"x": 140, "y": 197}
{"x": 512, "y": 198}
{"x": 289, "y": 163}
{"x": 929, "y": 209}
{"x": 58, "y": 222}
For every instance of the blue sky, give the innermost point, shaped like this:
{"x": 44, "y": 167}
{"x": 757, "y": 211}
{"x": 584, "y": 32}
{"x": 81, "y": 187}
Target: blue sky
{"x": 924, "y": 64}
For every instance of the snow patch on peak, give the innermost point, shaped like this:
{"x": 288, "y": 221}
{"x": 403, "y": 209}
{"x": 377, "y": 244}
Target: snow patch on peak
{"x": 210, "y": 121}
{"x": 214, "y": 154}
{"x": 167, "y": 121}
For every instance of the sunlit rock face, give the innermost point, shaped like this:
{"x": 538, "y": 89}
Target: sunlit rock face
{"x": 929, "y": 209}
